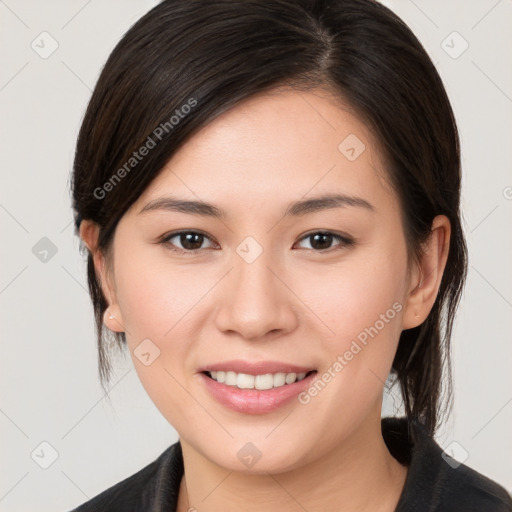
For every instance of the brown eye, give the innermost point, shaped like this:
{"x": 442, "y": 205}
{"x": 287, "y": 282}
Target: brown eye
{"x": 322, "y": 240}
{"x": 191, "y": 241}
{"x": 185, "y": 241}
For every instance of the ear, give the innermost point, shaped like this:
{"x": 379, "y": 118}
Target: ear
{"x": 112, "y": 317}
{"x": 427, "y": 273}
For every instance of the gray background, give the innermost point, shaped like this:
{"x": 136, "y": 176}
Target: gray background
{"x": 49, "y": 385}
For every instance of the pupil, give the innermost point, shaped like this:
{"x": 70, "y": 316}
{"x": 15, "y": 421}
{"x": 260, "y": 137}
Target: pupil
{"x": 325, "y": 239}
{"x": 187, "y": 240}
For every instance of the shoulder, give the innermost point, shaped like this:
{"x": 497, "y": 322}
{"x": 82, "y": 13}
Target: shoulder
{"x": 154, "y": 486}
{"x": 436, "y": 482}
{"x": 463, "y": 488}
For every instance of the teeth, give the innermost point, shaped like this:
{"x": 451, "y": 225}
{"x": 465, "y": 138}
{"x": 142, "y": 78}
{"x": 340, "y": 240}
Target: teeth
{"x": 279, "y": 379}
{"x": 244, "y": 381}
{"x": 290, "y": 378}
{"x": 231, "y": 379}
{"x": 260, "y": 382}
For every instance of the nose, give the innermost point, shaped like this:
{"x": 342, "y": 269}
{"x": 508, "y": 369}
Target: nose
{"x": 256, "y": 303}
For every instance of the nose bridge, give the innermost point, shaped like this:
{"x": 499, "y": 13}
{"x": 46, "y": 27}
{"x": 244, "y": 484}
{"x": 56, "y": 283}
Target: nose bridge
{"x": 256, "y": 301}
{"x": 253, "y": 278}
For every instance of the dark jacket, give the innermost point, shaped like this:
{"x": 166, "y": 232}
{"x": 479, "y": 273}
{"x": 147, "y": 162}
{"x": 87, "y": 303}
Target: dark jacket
{"x": 433, "y": 483}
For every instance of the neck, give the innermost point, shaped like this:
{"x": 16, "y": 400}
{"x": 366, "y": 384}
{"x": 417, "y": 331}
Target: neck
{"x": 359, "y": 474}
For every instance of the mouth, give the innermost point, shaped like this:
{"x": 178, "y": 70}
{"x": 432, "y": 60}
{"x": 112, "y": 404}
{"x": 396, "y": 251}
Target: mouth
{"x": 256, "y": 387}
{"x": 261, "y": 382}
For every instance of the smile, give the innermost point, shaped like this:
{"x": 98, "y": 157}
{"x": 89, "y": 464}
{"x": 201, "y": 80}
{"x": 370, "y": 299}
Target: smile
{"x": 259, "y": 382}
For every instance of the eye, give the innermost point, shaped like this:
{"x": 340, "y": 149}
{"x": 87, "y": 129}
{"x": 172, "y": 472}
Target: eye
{"x": 320, "y": 241}
{"x": 190, "y": 241}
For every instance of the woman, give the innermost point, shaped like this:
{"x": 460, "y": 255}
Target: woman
{"x": 269, "y": 197}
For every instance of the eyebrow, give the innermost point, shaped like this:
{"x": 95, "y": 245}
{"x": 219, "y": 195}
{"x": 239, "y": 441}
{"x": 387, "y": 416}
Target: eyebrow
{"x": 201, "y": 208}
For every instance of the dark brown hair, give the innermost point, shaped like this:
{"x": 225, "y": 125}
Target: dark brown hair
{"x": 217, "y": 53}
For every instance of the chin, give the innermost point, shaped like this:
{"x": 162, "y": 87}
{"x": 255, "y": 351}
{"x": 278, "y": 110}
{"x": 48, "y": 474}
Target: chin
{"x": 257, "y": 456}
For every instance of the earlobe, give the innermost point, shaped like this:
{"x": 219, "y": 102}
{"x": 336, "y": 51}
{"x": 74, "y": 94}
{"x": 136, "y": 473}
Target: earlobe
{"x": 427, "y": 274}
{"x": 112, "y": 319}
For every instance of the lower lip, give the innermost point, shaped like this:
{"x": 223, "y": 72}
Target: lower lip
{"x": 255, "y": 401}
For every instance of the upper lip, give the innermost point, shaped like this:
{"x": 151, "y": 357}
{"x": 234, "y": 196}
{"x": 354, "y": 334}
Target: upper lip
{"x": 256, "y": 368}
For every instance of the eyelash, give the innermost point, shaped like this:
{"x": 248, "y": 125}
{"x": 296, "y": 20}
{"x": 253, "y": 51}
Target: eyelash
{"x": 345, "y": 241}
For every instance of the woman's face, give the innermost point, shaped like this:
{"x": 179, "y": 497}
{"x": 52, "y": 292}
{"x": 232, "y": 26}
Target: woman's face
{"x": 256, "y": 292}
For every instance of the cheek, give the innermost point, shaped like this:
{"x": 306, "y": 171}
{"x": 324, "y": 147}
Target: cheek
{"x": 354, "y": 296}
{"x": 157, "y": 304}
{"x": 156, "y": 298}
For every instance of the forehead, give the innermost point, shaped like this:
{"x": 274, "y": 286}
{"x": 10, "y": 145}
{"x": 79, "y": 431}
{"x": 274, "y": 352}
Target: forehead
{"x": 279, "y": 144}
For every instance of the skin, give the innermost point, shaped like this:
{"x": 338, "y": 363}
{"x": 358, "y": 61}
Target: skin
{"x": 294, "y": 304}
